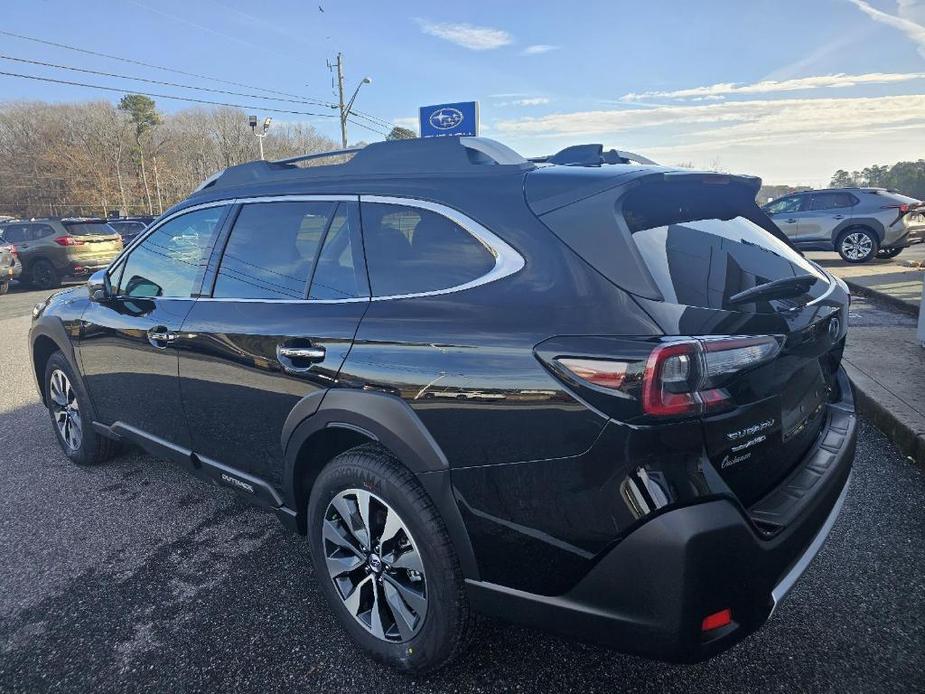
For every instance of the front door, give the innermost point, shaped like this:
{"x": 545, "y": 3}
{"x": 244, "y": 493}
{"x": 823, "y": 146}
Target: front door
{"x": 127, "y": 344}
{"x": 786, "y": 214}
{"x": 262, "y": 340}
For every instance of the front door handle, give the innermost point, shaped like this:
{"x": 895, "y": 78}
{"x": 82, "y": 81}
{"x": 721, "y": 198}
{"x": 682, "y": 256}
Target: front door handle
{"x": 791, "y": 221}
{"x": 839, "y": 216}
{"x": 160, "y": 337}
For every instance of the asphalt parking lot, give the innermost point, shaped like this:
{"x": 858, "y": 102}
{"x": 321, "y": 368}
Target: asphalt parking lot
{"x": 133, "y": 576}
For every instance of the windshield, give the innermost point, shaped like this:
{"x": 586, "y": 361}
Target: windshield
{"x": 89, "y": 229}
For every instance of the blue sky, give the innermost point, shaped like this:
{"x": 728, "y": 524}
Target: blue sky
{"x": 783, "y": 89}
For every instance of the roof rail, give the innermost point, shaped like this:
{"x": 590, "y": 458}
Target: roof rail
{"x": 591, "y": 155}
{"x": 317, "y": 155}
{"x": 439, "y": 155}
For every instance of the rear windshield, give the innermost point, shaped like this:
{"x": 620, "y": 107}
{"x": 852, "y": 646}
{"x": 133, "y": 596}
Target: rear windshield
{"x": 89, "y": 229}
{"x": 701, "y": 246}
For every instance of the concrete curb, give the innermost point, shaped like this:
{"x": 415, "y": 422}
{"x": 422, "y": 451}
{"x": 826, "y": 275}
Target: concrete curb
{"x": 898, "y": 304}
{"x": 917, "y": 264}
{"x": 903, "y": 425}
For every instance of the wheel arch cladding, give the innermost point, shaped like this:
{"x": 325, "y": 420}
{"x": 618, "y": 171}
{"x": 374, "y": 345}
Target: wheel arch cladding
{"x": 48, "y": 338}
{"x": 868, "y": 223}
{"x": 348, "y": 418}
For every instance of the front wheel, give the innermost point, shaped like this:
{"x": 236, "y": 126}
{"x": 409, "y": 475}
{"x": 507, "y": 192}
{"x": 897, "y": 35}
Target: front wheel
{"x": 887, "y": 253}
{"x": 385, "y": 561}
{"x": 857, "y": 245}
{"x": 72, "y": 415}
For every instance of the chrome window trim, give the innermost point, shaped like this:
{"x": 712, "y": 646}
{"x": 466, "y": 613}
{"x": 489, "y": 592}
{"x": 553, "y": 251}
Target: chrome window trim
{"x": 507, "y": 260}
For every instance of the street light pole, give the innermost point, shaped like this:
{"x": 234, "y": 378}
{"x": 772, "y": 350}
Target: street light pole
{"x": 252, "y": 121}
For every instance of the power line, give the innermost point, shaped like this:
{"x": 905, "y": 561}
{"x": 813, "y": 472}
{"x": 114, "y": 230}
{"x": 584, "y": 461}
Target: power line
{"x": 312, "y": 100}
{"x": 166, "y": 96}
{"x": 150, "y": 81}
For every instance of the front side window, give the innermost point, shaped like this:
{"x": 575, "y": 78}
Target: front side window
{"x": 272, "y": 249}
{"x": 791, "y": 204}
{"x": 170, "y": 261}
{"x": 411, "y": 250}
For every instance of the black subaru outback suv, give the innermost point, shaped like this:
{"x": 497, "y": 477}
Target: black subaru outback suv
{"x": 601, "y": 398}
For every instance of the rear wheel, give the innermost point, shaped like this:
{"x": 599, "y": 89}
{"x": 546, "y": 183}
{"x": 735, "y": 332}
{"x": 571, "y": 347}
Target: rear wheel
{"x": 44, "y": 275}
{"x": 887, "y": 253}
{"x": 857, "y": 245}
{"x": 72, "y": 415}
{"x": 385, "y": 561}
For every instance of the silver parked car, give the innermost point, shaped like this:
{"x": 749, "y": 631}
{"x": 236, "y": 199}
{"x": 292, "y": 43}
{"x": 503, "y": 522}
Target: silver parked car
{"x": 859, "y": 223}
{"x": 10, "y": 267}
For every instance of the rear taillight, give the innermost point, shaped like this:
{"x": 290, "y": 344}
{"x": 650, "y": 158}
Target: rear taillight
{"x": 903, "y": 208}
{"x": 679, "y": 378}
{"x": 69, "y": 241}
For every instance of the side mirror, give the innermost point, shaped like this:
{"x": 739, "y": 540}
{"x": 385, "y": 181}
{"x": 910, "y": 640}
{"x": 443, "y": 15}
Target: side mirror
{"x": 98, "y": 286}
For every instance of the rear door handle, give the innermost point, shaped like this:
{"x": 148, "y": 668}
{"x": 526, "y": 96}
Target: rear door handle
{"x": 160, "y": 336}
{"x": 307, "y": 353}
{"x": 299, "y": 360}
{"x": 839, "y": 216}
{"x": 790, "y": 221}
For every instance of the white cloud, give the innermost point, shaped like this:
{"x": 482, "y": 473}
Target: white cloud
{"x": 906, "y": 21}
{"x": 467, "y": 35}
{"x": 723, "y": 89}
{"x": 754, "y": 121}
{"x": 532, "y": 101}
{"x": 410, "y": 122}
{"x": 539, "y": 48}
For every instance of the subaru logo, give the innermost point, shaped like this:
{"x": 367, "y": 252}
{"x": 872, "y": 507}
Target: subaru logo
{"x": 834, "y": 329}
{"x": 446, "y": 118}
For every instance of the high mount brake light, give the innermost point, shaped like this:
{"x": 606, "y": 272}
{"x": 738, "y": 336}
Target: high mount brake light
{"x": 680, "y": 378}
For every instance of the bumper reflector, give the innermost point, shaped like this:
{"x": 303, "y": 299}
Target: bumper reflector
{"x": 717, "y": 620}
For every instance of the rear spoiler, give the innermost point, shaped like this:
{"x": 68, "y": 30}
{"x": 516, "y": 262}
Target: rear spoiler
{"x": 591, "y": 155}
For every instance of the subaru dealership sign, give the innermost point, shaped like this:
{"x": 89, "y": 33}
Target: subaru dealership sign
{"x": 450, "y": 120}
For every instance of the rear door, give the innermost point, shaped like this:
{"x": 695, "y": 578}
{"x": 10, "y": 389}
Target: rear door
{"x": 826, "y": 212}
{"x": 278, "y": 317}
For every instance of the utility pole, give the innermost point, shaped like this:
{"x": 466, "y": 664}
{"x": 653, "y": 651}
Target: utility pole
{"x": 344, "y": 108}
{"x": 340, "y": 100}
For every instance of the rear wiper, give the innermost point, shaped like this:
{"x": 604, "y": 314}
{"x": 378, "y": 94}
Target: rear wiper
{"x": 785, "y": 288}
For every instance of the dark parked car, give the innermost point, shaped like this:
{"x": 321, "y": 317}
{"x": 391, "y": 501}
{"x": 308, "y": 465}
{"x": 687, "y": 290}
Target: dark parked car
{"x": 129, "y": 227}
{"x": 55, "y": 249}
{"x": 604, "y": 399}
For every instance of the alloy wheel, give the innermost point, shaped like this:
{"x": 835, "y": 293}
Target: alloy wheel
{"x": 375, "y": 565}
{"x": 857, "y": 246}
{"x": 65, "y": 409}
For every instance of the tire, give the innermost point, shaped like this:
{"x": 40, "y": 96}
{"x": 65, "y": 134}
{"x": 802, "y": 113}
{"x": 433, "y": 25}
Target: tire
{"x": 857, "y": 245}
{"x": 887, "y": 253}
{"x": 44, "y": 275}
{"x": 434, "y": 630}
{"x": 4, "y": 288}
{"x": 78, "y": 440}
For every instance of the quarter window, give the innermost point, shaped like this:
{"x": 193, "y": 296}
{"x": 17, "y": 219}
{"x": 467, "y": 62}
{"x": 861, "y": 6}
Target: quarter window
{"x": 170, "y": 261}
{"x": 272, "y": 249}
{"x": 411, "y": 250}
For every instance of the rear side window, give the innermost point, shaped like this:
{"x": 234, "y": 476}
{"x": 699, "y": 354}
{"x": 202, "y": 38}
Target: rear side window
{"x": 272, "y": 249}
{"x": 410, "y": 251}
{"x": 38, "y": 231}
{"x": 89, "y": 229}
{"x": 701, "y": 248}
{"x": 831, "y": 201}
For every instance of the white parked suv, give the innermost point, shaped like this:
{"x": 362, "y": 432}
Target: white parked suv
{"x": 859, "y": 223}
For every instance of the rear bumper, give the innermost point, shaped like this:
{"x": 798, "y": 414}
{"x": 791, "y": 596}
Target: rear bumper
{"x": 649, "y": 594}
{"x": 912, "y": 236}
